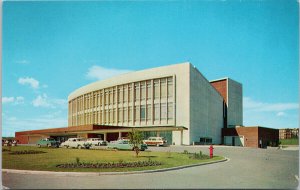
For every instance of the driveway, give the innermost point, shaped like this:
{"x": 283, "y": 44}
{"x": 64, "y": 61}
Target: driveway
{"x": 247, "y": 168}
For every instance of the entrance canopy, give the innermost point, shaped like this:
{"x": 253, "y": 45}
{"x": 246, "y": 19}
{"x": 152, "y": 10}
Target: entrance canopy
{"x": 82, "y": 130}
{"x": 97, "y": 129}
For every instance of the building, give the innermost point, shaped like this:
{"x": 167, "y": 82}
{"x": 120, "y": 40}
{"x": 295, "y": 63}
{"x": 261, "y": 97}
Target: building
{"x": 256, "y": 136}
{"x": 175, "y": 101}
{"x": 288, "y": 133}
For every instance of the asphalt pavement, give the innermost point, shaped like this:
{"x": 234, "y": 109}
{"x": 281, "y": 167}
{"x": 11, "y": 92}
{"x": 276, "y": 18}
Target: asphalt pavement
{"x": 247, "y": 168}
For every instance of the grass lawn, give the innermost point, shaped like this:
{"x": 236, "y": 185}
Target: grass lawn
{"x": 294, "y": 141}
{"x": 53, "y": 156}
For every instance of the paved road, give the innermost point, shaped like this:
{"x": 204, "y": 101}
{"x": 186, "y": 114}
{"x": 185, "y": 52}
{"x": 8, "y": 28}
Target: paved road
{"x": 247, "y": 168}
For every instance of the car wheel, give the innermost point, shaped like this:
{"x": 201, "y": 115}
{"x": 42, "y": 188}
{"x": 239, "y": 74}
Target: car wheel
{"x": 49, "y": 145}
{"x": 39, "y": 145}
{"x": 79, "y": 147}
{"x": 157, "y": 145}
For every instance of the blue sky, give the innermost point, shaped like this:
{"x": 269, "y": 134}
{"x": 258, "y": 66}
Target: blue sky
{"x": 52, "y": 48}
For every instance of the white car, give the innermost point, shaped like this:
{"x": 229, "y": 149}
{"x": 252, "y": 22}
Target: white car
{"x": 96, "y": 142}
{"x": 76, "y": 143}
{"x": 155, "y": 141}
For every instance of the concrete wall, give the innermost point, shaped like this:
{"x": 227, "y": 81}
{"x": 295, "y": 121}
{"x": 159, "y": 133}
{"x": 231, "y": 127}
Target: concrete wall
{"x": 206, "y": 109}
{"x": 234, "y": 104}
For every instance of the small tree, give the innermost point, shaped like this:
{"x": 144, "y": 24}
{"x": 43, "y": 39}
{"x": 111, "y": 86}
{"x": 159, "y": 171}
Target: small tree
{"x": 135, "y": 138}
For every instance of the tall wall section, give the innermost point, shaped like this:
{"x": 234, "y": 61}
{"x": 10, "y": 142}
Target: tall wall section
{"x": 234, "y": 103}
{"x": 206, "y": 109}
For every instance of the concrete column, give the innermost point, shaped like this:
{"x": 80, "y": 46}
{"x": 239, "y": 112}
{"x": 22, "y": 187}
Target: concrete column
{"x": 132, "y": 105}
{"x": 105, "y": 136}
{"x": 120, "y": 134}
{"x": 152, "y": 101}
{"x": 103, "y": 106}
{"x": 99, "y": 105}
{"x": 174, "y": 100}
{"x": 158, "y": 134}
{"x": 181, "y": 137}
{"x": 117, "y": 106}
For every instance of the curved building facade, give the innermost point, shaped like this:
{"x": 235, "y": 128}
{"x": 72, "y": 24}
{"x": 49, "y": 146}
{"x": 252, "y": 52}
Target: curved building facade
{"x": 145, "y": 102}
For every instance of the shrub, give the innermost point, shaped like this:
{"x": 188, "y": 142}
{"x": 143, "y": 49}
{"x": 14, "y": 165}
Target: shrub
{"x": 185, "y": 152}
{"x": 5, "y": 150}
{"x": 77, "y": 160}
{"x": 27, "y": 152}
{"x": 198, "y": 156}
{"x": 120, "y": 164}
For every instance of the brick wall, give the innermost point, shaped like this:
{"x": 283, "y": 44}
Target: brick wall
{"x": 221, "y": 87}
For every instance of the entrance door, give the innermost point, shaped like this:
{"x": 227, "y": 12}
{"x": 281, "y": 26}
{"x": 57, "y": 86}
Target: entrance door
{"x": 233, "y": 141}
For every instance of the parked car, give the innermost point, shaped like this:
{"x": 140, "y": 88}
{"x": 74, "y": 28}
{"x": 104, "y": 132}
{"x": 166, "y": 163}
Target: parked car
{"x": 76, "y": 143}
{"x": 124, "y": 144}
{"x": 48, "y": 142}
{"x": 96, "y": 142}
{"x": 155, "y": 141}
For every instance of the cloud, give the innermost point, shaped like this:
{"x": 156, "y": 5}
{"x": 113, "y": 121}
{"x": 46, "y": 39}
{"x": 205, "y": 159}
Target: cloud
{"x": 23, "y": 61}
{"x": 15, "y": 101}
{"x": 100, "y": 73}
{"x": 30, "y": 81}
{"x": 280, "y": 114}
{"x": 250, "y": 104}
{"x": 41, "y": 101}
{"x": 7, "y": 100}
{"x": 44, "y": 101}
{"x": 41, "y": 122}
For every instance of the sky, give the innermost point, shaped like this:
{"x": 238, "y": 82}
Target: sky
{"x": 51, "y": 48}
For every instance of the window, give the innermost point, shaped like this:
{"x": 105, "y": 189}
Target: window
{"x": 129, "y": 93}
{"x": 170, "y": 110}
{"x": 163, "y": 113}
{"x": 119, "y": 95}
{"x": 125, "y": 114}
{"x": 129, "y": 114}
{"x": 111, "y": 97}
{"x": 156, "y": 89}
{"x": 170, "y": 87}
{"x": 125, "y": 93}
{"x": 148, "y": 112}
{"x": 163, "y": 89}
{"x": 106, "y": 116}
{"x": 111, "y": 116}
{"x": 143, "y": 90}
{"x": 149, "y": 93}
{"x": 120, "y": 115}
{"x": 156, "y": 112}
{"x": 114, "y": 116}
{"x": 143, "y": 113}
{"x": 137, "y": 113}
{"x": 114, "y": 96}
{"x": 106, "y": 97}
{"x": 137, "y": 91}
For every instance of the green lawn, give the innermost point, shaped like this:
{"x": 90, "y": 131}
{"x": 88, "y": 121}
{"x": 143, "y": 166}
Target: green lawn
{"x": 53, "y": 156}
{"x": 294, "y": 141}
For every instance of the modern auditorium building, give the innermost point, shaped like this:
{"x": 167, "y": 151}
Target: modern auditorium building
{"x": 175, "y": 101}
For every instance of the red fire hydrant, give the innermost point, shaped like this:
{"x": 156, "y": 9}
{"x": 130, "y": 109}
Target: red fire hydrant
{"x": 211, "y": 151}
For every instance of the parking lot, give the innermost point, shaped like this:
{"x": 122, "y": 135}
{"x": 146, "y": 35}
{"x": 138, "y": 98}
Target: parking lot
{"x": 246, "y": 168}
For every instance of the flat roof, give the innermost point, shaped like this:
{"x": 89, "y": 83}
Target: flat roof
{"x": 97, "y": 129}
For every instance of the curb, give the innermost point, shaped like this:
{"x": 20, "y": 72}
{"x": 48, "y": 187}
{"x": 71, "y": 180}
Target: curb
{"x": 108, "y": 173}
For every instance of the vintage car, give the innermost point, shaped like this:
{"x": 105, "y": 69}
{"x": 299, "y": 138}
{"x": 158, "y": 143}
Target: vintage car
{"x": 155, "y": 141}
{"x": 76, "y": 143}
{"x": 48, "y": 142}
{"x": 124, "y": 144}
{"x": 96, "y": 142}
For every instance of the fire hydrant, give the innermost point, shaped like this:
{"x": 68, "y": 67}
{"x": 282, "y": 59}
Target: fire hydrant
{"x": 211, "y": 151}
